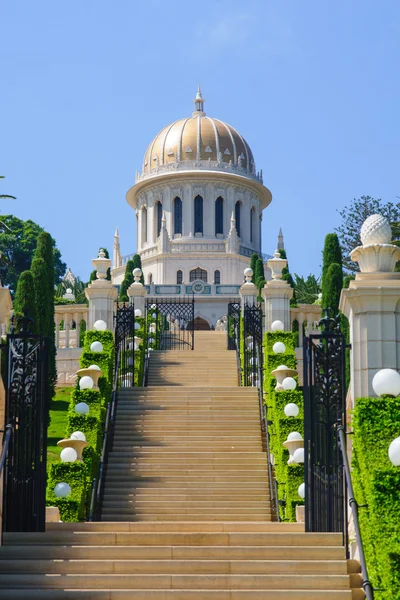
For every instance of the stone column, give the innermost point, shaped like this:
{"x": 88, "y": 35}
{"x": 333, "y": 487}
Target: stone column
{"x": 137, "y": 292}
{"x": 372, "y": 305}
{"x": 101, "y": 294}
{"x": 248, "y": 292}
{"x": 277, "y": 294}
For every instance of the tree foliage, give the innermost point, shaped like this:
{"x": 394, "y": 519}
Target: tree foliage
{"x": 24, "y": 301}
{"x": 286, "y": 276}
{"x": 128, "y": 280}
{"x": 332, "y": 273}
{"x": 137, "y": 262}
{"x": 259, "y": 273}
{"x": 6, "y": 196}
{"x": 354, "y": 215}
{"x": 332, "y": 253}
{"x": 17, "y": 246}
{"x": 253, "y": 261}
{"x": 77, "y": 288}
{"x": 43, "y": 276}
{"x": 307, "y": 290}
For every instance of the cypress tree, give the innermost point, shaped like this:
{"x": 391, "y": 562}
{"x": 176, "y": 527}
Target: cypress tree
{"x": 259, "y": 275}
{"x": 332, "y": 287}
{"x": 43, "y": 308}
{"x": 128, "y": 280}
{"x": 253, "y": 262}
{"x": 286, "y": 276}
{"x": 45, "y": 289}
{"x": 24, "y": 301}
{"x": 332, "y": 253}
{"x": 137, "y": 262}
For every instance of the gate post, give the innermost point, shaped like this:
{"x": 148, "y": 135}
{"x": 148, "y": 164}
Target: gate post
{"x": 277, "y": 295}
{"x": 248, "y": 291}
{"x": 371, "y": 303}
{"x": 137, "y": 292}
{"x": 101, "y": 294}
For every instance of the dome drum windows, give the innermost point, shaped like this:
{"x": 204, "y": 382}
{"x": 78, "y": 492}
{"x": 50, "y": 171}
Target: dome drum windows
{"x": 179, "y": 277}
{"x": 198, "y": 216}
{"x": 252, "y": 225}
{"x": 198, "y": 274}
{"x": 238, "y": 207}
{"x": 177, "y": 216}
{"x": 159, "y": 212}
{"x": 217, "y": 277}
{"x": 219, "y": 216}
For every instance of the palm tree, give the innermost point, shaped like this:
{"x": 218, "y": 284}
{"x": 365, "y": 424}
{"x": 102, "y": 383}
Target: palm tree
{"x": 307, "y": 290}
{"x": 6, "y": 196}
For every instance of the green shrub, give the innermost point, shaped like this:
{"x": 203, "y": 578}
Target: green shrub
{"x": 289, "y": 477}
{"x": 72, "y": 508}
{"x": 376, "y": 422}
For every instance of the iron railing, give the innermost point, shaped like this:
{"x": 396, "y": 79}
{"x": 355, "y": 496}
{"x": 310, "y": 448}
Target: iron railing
{"x": 170, "y": 322}
{"x": 6, "y": 442}
{"x": 369, "y": 590}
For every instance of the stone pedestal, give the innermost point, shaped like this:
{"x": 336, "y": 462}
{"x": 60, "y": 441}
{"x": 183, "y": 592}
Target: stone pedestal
{"x": 248, "y": 295}
{"x": 137, "y": 294}
{"x": 101, "y": 294}
{"x": 277, "y": 295}
{"x": 372, "y": 305}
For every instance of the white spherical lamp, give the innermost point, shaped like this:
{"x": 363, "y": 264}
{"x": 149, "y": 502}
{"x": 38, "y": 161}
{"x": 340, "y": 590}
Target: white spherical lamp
{"x": 386, "y": 381}
{"x": 394, "y": 452}
{"x": 279, "y": 348}
{"x": 154, "y": 316}
{"x": 82, "y": 408}
{"x": 94, "y": 367}
{"x": 302, "y": 490}
{"x": 138, "y": 312}
{"x": 277, "y": 326}
{"x": 298, "y": 456}
{"x": 294, "y": 436}
{"x": 100, "y": 325}
{"x": 152, "y": 328}
{"x": 78, "y": 435}
{"x": 86, "y": 383}
{"x": 151, "y": 340}
{"x": 68, "y": 455}
{"x": 137, "y": 326}
{"x": 289, "y": 384}
{"x": 62, "y": 490}
{"x": 96, "y": 347}
{"x": 291, "y": 410}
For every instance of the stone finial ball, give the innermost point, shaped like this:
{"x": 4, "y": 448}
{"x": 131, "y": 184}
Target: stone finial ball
{"x": 376, "y": 230}
{"x": 69, "y": 291}
{"x": 137, "y": 272}
{"x": 248, "y": 272}
{"x": 277, "y": 326}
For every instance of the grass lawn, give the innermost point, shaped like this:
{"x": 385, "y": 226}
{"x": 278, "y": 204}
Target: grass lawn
{"x": 58, "y": 414}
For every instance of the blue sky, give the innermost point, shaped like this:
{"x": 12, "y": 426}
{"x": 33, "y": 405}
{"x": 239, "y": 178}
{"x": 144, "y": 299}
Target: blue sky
{"x": 85, "y": 84}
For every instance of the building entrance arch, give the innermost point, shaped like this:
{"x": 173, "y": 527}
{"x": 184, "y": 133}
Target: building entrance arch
{"x": 200, "y": 324}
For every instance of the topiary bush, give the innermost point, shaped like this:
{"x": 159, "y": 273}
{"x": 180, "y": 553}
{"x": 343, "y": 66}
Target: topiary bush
{"x": 289, "y": 477}
{"x": 376, "y": 423}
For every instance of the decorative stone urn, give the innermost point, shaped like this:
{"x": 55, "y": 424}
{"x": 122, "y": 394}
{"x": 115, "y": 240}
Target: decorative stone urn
{"x": 293, "y": 442}
{"x": 101, "y": 264}
{"x": 94, "y": 372}
{"x": 377, "y": 254}
{"x": 280, "y": 373}
{"x": 77, "y": 445}
{"x": 277, "y": 264}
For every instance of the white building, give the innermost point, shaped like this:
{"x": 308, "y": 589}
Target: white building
{"x": 198, "y": 204}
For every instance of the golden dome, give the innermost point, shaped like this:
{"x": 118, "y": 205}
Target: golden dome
{"x": 199, "y": 139}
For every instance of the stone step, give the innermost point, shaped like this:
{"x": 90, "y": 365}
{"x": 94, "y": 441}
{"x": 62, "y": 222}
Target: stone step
{"x": 206, "y": 517}
{"x": 194, "y": 526}
{"x": 65, "y": 594}
{"x": 177, "y": 566}
{"x": 293, "y": 539}
{"x": 179, "y": 581}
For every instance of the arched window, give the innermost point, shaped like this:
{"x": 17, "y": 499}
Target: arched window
{"x": 179, "y": 276}
{"x": 159, "y": 217}
{"x": 217, "y": 277}
{"x": 237, "y": 216}
{"x": 144, "y": 225}
{"x": 219, "y": 215}
{"x": 198, "y": 274}
{"x": 198, "y": 215}
{"x": 177, "y": 215}
{"x": 252, "y": 223}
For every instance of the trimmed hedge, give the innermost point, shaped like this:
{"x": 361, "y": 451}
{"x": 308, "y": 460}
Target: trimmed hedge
{"x": 289, "y": 477}
{"x": 376, "y": 422}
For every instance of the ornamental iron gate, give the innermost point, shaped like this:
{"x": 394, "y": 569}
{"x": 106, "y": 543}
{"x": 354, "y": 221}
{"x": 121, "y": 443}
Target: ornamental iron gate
{"x": 25, "y": 374}
{"x": 170, "y": 322}
{"x": 233, "y": 325}
{"x": 252, "y": 355}
{"x": 125, "y": 344}
{"x": 324, "y": 412}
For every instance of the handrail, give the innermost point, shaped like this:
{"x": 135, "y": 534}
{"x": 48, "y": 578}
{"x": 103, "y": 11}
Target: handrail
{"x": 108, "y": 426}
{"x": 7, "y": 437}
{"x": 237, "y": 344}
{"x": 263, "y": 416}
{"x": 367, "y": 585}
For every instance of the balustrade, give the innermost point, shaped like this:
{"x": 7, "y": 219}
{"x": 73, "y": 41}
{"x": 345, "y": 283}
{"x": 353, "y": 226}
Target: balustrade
{"x": 68, "y": 319}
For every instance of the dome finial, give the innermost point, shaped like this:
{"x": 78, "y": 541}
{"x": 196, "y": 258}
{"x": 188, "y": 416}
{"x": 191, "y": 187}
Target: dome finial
{"x": 199, "y": 103}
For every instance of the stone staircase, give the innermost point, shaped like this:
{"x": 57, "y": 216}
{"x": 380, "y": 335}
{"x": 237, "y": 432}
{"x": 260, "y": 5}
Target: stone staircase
{"x": 186, "y": 512}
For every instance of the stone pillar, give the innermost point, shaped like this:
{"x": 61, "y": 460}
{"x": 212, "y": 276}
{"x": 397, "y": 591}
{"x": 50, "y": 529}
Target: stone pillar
{"x": 372, "y": 305}
{"x": 248, "y": 292}
{"x": 67, "y": 327}
{"x": 277, "y": 295}
{"x": 101, "y": 294}
{"x": 137, "y": 292}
